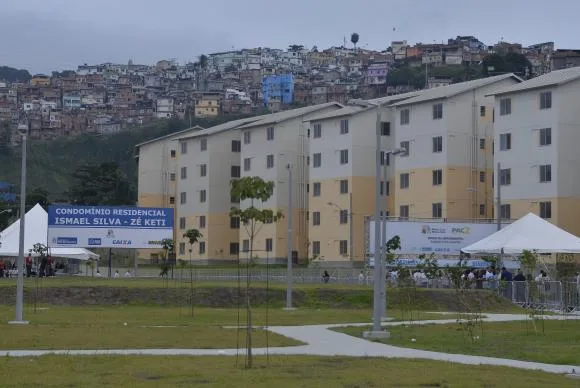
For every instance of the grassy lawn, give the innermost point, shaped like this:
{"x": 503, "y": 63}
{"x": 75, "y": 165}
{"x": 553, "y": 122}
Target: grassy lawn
{"x": 559, "y": 344}
{"x": 280, "y": 372}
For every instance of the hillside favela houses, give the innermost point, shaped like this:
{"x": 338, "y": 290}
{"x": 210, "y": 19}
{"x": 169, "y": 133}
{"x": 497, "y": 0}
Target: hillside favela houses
{"x": 449, "y": 172}
{"x": 106, "y": 98}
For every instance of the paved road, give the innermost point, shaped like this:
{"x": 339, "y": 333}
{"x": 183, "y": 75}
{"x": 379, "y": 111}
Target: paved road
{"x": 321, "y": 341}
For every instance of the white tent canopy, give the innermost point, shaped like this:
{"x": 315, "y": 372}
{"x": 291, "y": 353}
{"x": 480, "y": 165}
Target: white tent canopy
{"x": 35, "y": 232}
{"x": 530, "y": 233}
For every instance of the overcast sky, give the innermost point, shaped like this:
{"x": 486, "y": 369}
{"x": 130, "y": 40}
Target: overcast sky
{"x": 44, "y": 35}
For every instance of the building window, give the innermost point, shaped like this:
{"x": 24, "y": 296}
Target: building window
{"x": 269, "y": 245}
{"x": 505, "y": 141}
{"x": 203, "y": 144}
{"x": 182, "y": 248}
{"x": 234, "y": 199}
{"x": 482, "y": 111}
{"x": 316, "y": 189}
{"x": 437, "y": 111}
{"x": 385, "y": 158}
{"x": 234, "y": 222}
{"x": 269, "y": 161}
{"x": 482, "y": 209}
{"x": 202, "y": 221}
{"x": 481, "y": 144}
{"x": 172, "y": 177}
{"x": 316, "y": 160}
{"x": 202, "y": 196}
{"x": 315, "y": 248}
{"x": 545, "y": 100}
{"x": 505, "y": 176}
{"x": 343, "y": 216}
{"x": 438, "y": 144}
{"x": 406, "y": 145}
{"x": 172, "y": 200}
{"x": 317, "y": 131}
{"x": 270, "y": 133}
{"x": 505, "y": 106}
{"x": 545, "y": 173}
{"x": 437, "y": 210}
{"x": 183, "y": 197}
{"x": 344, "y": 186}
{"x": 343, "y": 127}
{"x": 437, "y": 177}
{"x": 201, "y": 247}
{"x": 172, "y": 153}
{"x": 234, "y": 248}
{"x": 183, "y": 173}
{"x": 236, "y": 146}
{"x": 384, "y": 188}
{"x": 183, "y": 147}
{"x": 343, "y": 247}
{"x": 385, "y": 128}
{"x": 182, "y": 224}
{"x": 404, "y": 211}
{"x": 247, "y": 164}
{"x": 203, "y": 170}
{"x": 405, "y": 117}
{"x": 236, "y": 171}
{"x": 404, "y": 178}
{"x": 343, "y": 156}
{"x": 245, "y": 245}
{"x": 315, "y": 218}
{"x": 247, "y": 137}
{"x": 545, "y": 136}
{"x": 546, "y": 209}
{"x": 505, "y": 212}
{"x": 482, "y": 176}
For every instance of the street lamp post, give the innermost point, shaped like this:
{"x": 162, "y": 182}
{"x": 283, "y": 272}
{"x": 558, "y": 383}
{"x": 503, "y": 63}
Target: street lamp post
{"x": 20, "y": 279}
{"x": 289, "y": 260}
{"x": 350, "y": 226}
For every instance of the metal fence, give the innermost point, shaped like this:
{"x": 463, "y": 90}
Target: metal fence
{"x": 553, "y": 295}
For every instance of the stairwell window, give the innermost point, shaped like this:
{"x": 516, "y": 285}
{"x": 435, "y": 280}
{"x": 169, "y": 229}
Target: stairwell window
{"x": 182, "y": 223}
{"x": 343, "y": 156}
{"x": 343, "y": 127}
{"x": 343, "y": 217}
{"x": 316, "y": 189}
{"x": 545, "y": 100}
{"x": 404, "y": 180}
{"x": 437, "y": 177}
{"x": 247, "y": 137}
{"x": 203, "y": 170}
{"x": 437, "y": 111}
{"x": 385, "y": 128}
{"x": 505, "y": 141}
{"x": 315, "y": 248}
{"x": 201, "y": 247}
{"x": 482, "y": 209}
{"x": 343, "y": 247}
{"x": 506, "y": 212}
{"x": 203, "y": 144}
{"x": 236, "y": 146}
{"x": 269, "y": 161}
{"x": 505, "y": 106}
{"x": 437, "y": 210}
{"x": 316, "y": 160}
{"x": 247, "y": 164}
{"x": 438, "y": 144}
{"x": 404, "y": 117}
{"x": 505, "y": 176}
{"x": 202, "y": 222}
{"x": 183, "y": 198}
{"x": 183, "y": 147}
{"x": 236, "y": 172}
{"x": 546, "y": 209}
{"x": 234, "y": 222}
{"x": 269, "y": 245}
{"x": 234, "y": 248}
{"x": 245, "y": 245}
{"x": 406, "y": 145}
{"x": 545, "y": 136}
{"x": 317, "y": 131}
{"x": 270, "y": 133}
{"x": 315, "y": 218}
{"x": 344, "y": 186}
{"x": 545, "y": 173}
{"x": 404, "y": 212}
{"x": 183, "y": 173}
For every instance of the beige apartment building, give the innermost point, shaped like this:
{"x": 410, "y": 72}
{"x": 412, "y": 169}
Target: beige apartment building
{"x": 536, "y": 143}
{"x": 342, "y": 172}
{"x": 208, "y": 161}
{"x": 448, "y": 132}
{"x": 269, "y": 145}
{"x": 157, "y": 175}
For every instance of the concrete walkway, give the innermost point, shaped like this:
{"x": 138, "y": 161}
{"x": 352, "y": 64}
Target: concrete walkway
{"x": 321, "y": 341}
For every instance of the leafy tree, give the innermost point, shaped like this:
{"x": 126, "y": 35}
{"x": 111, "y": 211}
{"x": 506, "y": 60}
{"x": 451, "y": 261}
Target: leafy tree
{"x": 37, "y": 196}
{"x": 516, "y": 63}
{"x": 253, "y": 219}
{"x": 295, "y": 47}
{"x": 103, "y": 184}
{"x": 168, "y": 247}
{"x": 193, "y": 236}
{"x": 354, "y": 37}
{"x": 11, "y": 74}
{"x": 6, "y": 214}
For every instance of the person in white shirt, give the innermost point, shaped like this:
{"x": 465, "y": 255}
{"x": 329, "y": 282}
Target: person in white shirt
{"x": 361, "y": 277}
{"x": 117, "y": 274}
{"x": 127, "y": 274}
{"x": 98, "y": 275}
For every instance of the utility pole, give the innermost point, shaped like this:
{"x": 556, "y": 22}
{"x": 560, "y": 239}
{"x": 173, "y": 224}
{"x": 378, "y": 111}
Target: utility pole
{"x": 289, "y": 260}
{"x": 385, "y": 238}
{"x": 20, "y": 279}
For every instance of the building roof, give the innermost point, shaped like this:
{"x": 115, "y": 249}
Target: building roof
{"x": 220, "y": 128}
{"x": 394, "y": 98}
{"x": 196, "y": 128}
{"x": 554, "y": 78}
{"x": 279, "y": 117}
{"x": 346, "y": 111}
{"x": 452, "y": 90}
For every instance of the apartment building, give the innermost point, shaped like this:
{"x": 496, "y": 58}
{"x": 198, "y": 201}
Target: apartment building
{"x": 342, "y": 172}
{"x": 448, "y": 132}
{"x": 537, "y": 132}
{"x": 208, "y": 105}
{"x": 268, "y": 146}
{"x": 208, "y": 160}
{"x": 156, "y": 175}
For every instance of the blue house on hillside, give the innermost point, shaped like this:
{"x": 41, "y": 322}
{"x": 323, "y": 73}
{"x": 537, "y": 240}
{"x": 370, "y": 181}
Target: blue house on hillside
{"x": 7, "y": 192}
{"x": 279, "y": 87}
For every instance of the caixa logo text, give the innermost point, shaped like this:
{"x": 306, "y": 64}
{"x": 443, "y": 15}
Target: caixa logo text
{"x": 121, "y": 242}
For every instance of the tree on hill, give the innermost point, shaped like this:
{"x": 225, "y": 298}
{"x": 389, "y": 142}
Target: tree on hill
{"x": 354, "y": 37}
{"x": 495, "y": 64}
{"x": 103, "y": 184}
{"x": 11, "y": 74}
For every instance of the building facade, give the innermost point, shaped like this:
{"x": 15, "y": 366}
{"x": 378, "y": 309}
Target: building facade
{"x": 536, "y": 136}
